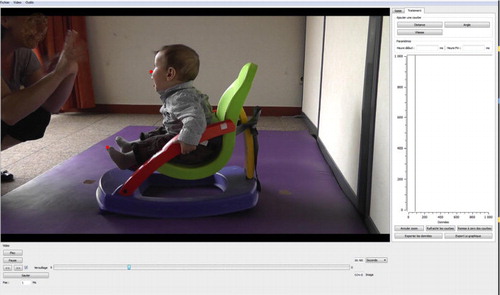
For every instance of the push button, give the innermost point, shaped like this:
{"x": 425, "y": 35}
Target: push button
{"x": 16, "y": 252}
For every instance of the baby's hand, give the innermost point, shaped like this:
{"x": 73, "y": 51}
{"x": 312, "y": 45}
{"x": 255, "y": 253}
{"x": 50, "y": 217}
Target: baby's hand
{"x": 186, "y": 148}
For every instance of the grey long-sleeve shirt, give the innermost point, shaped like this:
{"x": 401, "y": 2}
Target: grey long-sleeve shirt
{"x": 186, "y": 112}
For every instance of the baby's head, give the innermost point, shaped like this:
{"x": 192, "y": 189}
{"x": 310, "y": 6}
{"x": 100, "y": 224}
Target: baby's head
{"x": 175, "y": 64}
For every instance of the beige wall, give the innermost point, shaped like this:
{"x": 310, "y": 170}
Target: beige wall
{"x": 121, "y": 55}
{"x": 312, "y": 67}
{"x": 342, "y": 93}
{"x": 381, "y": 157}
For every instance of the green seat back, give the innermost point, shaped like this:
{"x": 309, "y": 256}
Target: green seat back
{"x": 229, "y": 107}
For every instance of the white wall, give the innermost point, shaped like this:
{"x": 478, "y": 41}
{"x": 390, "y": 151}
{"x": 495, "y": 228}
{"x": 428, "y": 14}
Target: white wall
{"x": 342, "y": 94}
{"x": 312, "y": 67}
{"x": 341, "y": 101}
{"x": 380, "y": 202}
{"x": 121, "y": 55}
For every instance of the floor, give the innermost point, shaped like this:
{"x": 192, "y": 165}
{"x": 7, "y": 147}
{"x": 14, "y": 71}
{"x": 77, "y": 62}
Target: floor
{"x": 71, "y": 133}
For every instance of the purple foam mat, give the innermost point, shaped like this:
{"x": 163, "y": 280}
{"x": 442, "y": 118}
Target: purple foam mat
{"x": 299, "y": 196}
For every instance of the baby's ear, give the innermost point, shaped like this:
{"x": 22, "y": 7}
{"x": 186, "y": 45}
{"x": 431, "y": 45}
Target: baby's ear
{"x": 171, "y": 73}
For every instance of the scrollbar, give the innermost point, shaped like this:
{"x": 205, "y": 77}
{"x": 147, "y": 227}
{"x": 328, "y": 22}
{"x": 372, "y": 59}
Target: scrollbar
{"x": 198, "y": 266}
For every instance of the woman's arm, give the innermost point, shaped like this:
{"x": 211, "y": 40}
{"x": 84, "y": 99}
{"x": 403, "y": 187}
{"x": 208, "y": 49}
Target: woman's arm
{"x": 50, "y": 90}
{"x": 55, "y": 101}
{"x": 17, "y": 105}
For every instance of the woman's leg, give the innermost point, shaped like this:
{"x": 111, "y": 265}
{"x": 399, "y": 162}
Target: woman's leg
{"x": 9, "y": 141}
{"x": 54, "y": 103}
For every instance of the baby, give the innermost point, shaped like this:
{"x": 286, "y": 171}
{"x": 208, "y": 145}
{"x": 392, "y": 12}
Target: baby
{"x": 185, "y": 111}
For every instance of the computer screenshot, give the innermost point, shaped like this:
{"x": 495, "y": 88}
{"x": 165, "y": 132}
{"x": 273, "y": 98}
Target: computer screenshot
{"x": 249, "y": 147}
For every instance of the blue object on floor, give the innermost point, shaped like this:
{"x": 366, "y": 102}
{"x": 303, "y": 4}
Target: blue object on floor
{"x": 226, "y": 191}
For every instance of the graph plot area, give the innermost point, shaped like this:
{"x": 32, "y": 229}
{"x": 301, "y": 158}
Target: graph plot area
{"x": 451, "y": 134}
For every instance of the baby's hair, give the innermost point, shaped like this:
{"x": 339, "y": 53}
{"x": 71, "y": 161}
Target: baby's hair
{"x": 183, "y": 59}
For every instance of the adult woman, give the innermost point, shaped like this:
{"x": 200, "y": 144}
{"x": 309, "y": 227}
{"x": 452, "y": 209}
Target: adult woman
{"x": 29, "y": 95}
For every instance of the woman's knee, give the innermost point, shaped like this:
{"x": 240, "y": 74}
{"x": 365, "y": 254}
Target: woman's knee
{"x": 30, "y": 128}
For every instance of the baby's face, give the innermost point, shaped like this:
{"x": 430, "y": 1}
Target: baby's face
{"x": 159, "y": 74}
{"x": 163, "y": 78}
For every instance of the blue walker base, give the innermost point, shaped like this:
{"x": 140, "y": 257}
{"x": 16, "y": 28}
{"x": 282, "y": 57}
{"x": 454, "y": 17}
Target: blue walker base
{"x": 235, "y": 193}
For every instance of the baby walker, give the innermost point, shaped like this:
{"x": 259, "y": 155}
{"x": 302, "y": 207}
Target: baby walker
{"x": 122, "y": 191}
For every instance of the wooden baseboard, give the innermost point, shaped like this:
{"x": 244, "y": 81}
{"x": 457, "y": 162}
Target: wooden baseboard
{"x": 155, "y": 109}
{"x": 126, "y": 109}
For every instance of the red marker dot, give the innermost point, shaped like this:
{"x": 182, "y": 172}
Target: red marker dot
{"x": 107, "y": 147}
{"x": 150, "y": 71}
